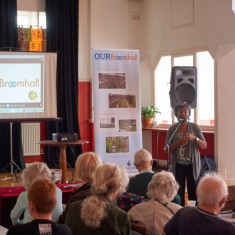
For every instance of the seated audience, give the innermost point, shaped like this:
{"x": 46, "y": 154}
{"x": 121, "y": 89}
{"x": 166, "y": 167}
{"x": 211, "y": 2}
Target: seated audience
{"x": 34, "y": 172}
{"x": 97, "y": 214}
{"x": 126, "y": 200}
{"x": 212, "y": 193}
{"x": 156, "y": 212}
{"x": 85, "y": 166}
{"x": 143, "y": 162}
{"x": 42, "y": 201}
{"x": 138, "y": 184}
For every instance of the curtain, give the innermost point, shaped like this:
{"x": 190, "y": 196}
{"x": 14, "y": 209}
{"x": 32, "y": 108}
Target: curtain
{"x": 62, "y": 37}
{"x": 8, "y": 42}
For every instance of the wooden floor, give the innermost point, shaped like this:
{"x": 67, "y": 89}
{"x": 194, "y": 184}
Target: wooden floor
{"x": 9, "y": 180}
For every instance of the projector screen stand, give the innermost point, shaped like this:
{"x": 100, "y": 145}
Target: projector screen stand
{"x": 14, "y": 167}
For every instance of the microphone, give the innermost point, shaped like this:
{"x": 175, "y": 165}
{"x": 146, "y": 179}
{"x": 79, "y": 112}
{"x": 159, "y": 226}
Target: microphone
{"x": 181, "y": 119}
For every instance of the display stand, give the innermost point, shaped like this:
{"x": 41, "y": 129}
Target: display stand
{"x": 14, "y": 167}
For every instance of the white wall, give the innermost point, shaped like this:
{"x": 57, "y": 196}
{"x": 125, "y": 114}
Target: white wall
{"x": 31, "y": 5}
{"x": 213, "y": 28}
{"x": 207, "y": 24}
{"x": 150, "y": 26}
{"x": 213, "y": 25}
{"x": 84, "y": 41}
{"x": 225, "y": 84}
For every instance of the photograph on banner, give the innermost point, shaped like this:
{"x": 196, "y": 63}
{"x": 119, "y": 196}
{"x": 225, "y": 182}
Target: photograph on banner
{"x": 112, "y": 81}
{"x": 127, "y": 125}
{"x": 122, "y": 101}
{"x": 116, "y": 105}
{"x": 117, "y": 144}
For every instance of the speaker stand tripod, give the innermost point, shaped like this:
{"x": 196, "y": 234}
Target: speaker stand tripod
{"x": 14, "y": 167}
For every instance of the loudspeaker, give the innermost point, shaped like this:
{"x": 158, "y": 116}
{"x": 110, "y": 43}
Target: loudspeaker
{"x": 183, "y": 86}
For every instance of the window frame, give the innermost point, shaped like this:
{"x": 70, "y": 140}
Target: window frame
{"x": 33, "y": 15}
{"x": 190, "y": 52}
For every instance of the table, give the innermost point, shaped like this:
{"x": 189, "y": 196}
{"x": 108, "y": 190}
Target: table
{"x": 8, "y": 197}
{"x": 62, "y": 146}
{"x": 227, "y": 216}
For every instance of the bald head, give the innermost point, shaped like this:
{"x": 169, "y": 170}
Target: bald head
{"x": 212, "y": 191}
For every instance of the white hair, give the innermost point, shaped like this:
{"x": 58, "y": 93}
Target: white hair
{"x": 142, "y": 156}
{"x": 163, "y": 187}
{"x": 211, "y": 190}
{"x": 35, "y": 171}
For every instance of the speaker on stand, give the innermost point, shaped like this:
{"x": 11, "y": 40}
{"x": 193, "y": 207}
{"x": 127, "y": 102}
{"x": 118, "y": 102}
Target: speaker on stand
{"x": 183, "y": 86}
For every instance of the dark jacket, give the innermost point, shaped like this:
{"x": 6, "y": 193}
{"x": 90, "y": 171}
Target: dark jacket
{"x": 80, "y": 194}
{"x": 39, "y": 226}
{"x": 139, "y": 183}
{"x": 116, "y": 222}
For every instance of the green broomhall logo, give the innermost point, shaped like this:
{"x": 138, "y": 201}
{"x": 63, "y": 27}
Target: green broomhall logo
{"x": 32, "y": 95}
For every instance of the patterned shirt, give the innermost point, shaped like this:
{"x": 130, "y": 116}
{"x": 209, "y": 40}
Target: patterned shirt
{"x": 183, "y": 157}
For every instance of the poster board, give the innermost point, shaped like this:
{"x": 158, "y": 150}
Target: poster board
{"x": 117, "y": 111}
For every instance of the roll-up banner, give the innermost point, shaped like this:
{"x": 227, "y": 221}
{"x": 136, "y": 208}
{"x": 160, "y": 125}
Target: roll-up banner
{"x": 117, "y": 111}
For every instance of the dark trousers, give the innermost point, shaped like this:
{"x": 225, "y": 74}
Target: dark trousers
{"x": 185, "y": 173}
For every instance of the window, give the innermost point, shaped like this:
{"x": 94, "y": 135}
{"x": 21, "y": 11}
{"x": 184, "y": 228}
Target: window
{"x": 35, "y": 19}
{"x": 203, "y": 114}
{"x": 31, "y": 31}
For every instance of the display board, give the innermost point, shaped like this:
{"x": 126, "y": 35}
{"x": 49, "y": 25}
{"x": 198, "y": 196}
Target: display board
{"x": 117, "y": 116}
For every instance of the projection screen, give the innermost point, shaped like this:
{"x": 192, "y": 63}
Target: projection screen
{"x": 28, "y": 85}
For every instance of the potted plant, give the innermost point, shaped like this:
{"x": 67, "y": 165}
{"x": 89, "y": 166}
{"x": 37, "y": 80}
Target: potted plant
{"x": 148, "y": 114}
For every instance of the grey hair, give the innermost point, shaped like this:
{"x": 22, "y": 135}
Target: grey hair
{"x": 35, "y": 171}
{"x": 211, "y": 189}
{"x": 124, "y": 179}
{"x": 163, "y": 187}
{"x": 142, "y": 156}
{"x": 107, "y": 180}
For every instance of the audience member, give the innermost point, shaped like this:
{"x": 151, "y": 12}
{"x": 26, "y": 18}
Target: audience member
{"x": 97, "y": 214}
{"x": 85, "y": 166}
{"x": 42, "y": 201}
{"x": 34, "y": 172}
{"x": 212, "y": 193}
{"x": 126, "y": 200}
{"x": 138, "y": 184}
{"x": 157, "y": 211}
{"x": 143, "y": 162}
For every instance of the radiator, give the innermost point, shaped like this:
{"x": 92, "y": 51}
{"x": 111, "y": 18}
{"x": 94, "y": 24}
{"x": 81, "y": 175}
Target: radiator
{"x": 30, "y": 135}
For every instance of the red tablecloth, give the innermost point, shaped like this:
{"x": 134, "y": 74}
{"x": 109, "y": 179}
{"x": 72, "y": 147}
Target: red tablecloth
{"x": 8, "y": 197}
